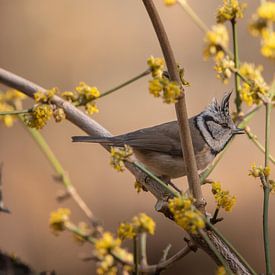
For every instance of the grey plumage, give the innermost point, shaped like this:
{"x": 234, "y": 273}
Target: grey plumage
{"x": 159, "y": 147}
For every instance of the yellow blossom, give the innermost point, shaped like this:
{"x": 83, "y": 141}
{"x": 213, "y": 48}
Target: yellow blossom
{"x": 272, "y": 186}
{"x": 39, "y": 116}
{"x": 58, "y": 219}
{"x": 171, "y": 92}
{"x": 70, "y": 96}
{"x": 257, "y": 26}
{"x": 268, "y": 44}
{"x": 126, "y": 231}
{"x": 249, "y": 92}
{"x": 266, "y": 171}
{"x": 87, "y": 91}
{"x": 258, "y": 171}
{"x": 143, "y": 223}
{"x": 106, "y": 266}
{"x": 223, "y": 198}
{"x": 155, "y": 87}
{"x": 91, "y": 108}
{"x": 8, "y": 120}
{"x": 59, "y": 114}
{"x": 106, "y": 243}
{"x": 216, "y": 40}
{"x": 186, "y": 215}
{"x": 267, "y": 10}
{"x": 45, "y": 97}
{"x": 170, "y": 2}
{"x": 156, "y": 65}
{"x": 118, "y": 156}
{"x": 230, "y": 10}
{"x": 221, "y": 271}
{"x": 224, "y": 68}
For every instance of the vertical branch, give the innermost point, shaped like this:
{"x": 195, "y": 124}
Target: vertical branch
{"x": 136, "y": 255}
{"x": 266, "y": 192}
{"x": 181, "y": 110}
{"x": 143, "y": 247}
{"x": 238, "y": 101}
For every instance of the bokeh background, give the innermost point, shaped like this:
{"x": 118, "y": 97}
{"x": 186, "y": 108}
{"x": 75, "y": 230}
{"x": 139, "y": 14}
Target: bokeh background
{"x": 58, "y": 44}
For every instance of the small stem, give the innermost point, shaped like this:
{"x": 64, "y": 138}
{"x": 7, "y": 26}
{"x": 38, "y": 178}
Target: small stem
{"x": 136, "y": 256}
{"x": 143, "y": 248}
{"x": 254, "y": 139}
{"x": 236, "y": 61}
{"x": 16, "y": 112}
{"x": 148, "y": 71}
{"x": 241, "y": 258}
{"x": 216, "y": 252}
{"x": 266, "y": 193}
{"x": 215, "y": 216}
{"x": 41, "y": 142}
{"x": 196, "y": 19}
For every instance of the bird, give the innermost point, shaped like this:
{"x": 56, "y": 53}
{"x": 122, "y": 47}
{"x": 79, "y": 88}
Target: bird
{"x": 159, "y": 147}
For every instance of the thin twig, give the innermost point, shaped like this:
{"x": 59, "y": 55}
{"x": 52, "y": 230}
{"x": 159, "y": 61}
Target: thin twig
{"x": 266, "y": 188}
{"x": 2, "y": 208}
{"x": 16, "y": 112}
{"x": 236, "y": 62}
{"x": 41, "y": 142}
{"x": 181, "y": 110}
{"x": 143, "y": 249}
{"x": 135, "y": 78}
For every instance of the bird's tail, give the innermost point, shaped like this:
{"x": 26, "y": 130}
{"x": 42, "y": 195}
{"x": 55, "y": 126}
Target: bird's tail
{"x": 112, "y": 141}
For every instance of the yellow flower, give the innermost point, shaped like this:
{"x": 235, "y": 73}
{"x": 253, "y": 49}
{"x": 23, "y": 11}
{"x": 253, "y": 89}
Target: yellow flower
{"x": 230, "y": 10}
{"x": 106, "y": 243}
{"x": 224, "y": 68}
{"x": 45, "y": 97}
{"x": 58, "y": 219}
{"x": 249, "y": 93}
{"x": 8, "y": 120}
{"x": 266, "y": 171}
{"x": 118, "y": 156}
{"x": 272, "y": 186}
{"x": 59, "y": 114}
{"x": 267, "y": 11}
{"x": 106, "y": 266}
{"x": 39, "y": 116}
{"x": 268, "y": 44}
{"x": 91, "y": 108}
{"x": 126, "y": 231}
{"x": 155, "y": 87}
{"x": 90, "y": 93}
{"x": 70, "y": 96}
{"x": 221, "y": 271}
{"x": 223, "y": 198}
{"x": 170, "y": 2}
{"x": 156, "y": 65}
{"x": 216, "y": 40}
{"x": 143, "y": 223}
{"x": 255, "y": 171}
{"x": 171, "y": 92}
{"x": 257, "y": 26}
{"x": 186, "y": 215}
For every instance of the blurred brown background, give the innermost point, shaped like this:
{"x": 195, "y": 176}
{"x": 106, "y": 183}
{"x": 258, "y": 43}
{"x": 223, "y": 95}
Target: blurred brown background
{"x": 58, "y": 44}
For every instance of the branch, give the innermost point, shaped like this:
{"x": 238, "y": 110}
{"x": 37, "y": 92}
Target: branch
{"x": 181, "y": 110}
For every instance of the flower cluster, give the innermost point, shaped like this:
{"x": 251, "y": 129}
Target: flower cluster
{"x": 259, "y": 171}
{"x": 250, "y": 92}
{"x": 186, "y": 215}
{"x": 223, "y": 198}
{"x": 58, "y": 219}
{"x": 139, "y": 224}
{"x": 84, "y": 95}
{"x": 231, "y": 10}
{"x": 262, "y": 25}
{"x": 106, "y": 247}
{"x": 170, "y": 2}
{"x": 216, "y": 41}
{"x": 118, "y": 156}
{"x": 39, "y": 116}
{"x": 139, "y": 187}
{"x": 160, "y": 85}
{"x": 224, "y": 67}
{"x": 45, "y": 97}
{"x": 9, "y": 101}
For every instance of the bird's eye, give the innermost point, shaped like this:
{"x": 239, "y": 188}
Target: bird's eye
{"x": 224, "y": 125}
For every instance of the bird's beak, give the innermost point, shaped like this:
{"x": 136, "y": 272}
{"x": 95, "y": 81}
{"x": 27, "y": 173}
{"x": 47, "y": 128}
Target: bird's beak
{"x": 238, "y": 131}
